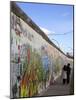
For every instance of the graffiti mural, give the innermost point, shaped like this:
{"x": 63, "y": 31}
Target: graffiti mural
{"x": 32, "y": 68}
{"x": 33, "y": 60}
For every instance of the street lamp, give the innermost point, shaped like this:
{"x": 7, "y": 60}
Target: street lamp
{"x": 70, "y": 52}
{"x": 71, "y": 49}
{"x": 56, "y": 42}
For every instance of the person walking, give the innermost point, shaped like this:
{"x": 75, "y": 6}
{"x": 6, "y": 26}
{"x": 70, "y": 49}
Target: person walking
{"x": 64, "y": 74}
{"x": 68, "y": 73}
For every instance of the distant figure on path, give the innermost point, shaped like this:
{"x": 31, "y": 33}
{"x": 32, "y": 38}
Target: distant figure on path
{"x": 64, "y": 74}
{"x": 68, "y": 73}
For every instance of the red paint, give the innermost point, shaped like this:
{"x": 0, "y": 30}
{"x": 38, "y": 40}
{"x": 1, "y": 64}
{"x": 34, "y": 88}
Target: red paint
{"x": 28, "y": 55}
{"x": 18, "y": 53}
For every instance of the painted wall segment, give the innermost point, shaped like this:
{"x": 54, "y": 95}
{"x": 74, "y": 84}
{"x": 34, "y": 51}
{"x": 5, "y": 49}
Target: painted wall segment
{"x": 33, "y": 60}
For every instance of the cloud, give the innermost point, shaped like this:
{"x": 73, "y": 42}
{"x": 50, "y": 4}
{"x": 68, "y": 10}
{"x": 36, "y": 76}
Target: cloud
{"x": 46, "y": 31}
{"x": 65, "y": 14}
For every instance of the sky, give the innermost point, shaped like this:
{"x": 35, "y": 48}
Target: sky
{"x": 53, "y": 19}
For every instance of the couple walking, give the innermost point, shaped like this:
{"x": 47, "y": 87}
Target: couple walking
{"x": 66, "y": 73}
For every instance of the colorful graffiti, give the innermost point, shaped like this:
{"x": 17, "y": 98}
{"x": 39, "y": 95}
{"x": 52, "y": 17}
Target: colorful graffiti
{"x": 31, "y": 65}
{"x": 33, "y": 68}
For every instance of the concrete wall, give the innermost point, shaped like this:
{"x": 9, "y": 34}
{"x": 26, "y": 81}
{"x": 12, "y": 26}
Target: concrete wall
{"x": 31, "y": 53}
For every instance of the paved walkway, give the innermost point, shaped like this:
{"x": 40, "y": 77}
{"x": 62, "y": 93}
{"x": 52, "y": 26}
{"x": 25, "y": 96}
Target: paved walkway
{"x": 56, "y": 89}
